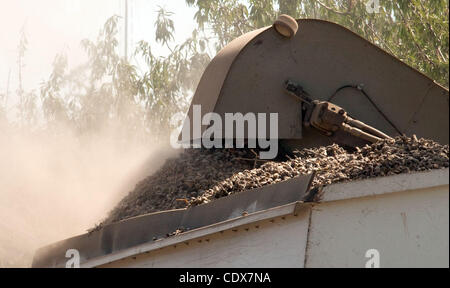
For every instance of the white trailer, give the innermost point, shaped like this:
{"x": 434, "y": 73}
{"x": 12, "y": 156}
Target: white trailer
{"x": 393, "y": 221}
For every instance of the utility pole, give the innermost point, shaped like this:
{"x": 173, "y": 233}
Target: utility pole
{"x": 126, "y": 30}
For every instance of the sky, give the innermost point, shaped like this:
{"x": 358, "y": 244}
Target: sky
{"x": 55, "y": 26}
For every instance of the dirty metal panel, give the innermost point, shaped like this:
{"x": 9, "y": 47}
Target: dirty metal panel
{"x": 371, "y": 115}
{"x": 146, "y": 228}
{"x": 408, "y": 229}
{"x": 278, "y": 244}
{"x": 323, "y": 57}
{"x": 111, "y": 238}
{"x": 255, "y": 83}
{"x": 211, "y": 82}
{"x": 251, "y": 201}
{"x": 431, "y": 120}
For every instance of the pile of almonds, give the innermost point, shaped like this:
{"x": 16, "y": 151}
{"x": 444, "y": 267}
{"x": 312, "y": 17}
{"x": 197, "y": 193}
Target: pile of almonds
{"x": 199, "y": 176}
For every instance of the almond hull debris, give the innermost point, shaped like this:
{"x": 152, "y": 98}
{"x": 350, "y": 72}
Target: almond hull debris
{"x": 202, "y": 175}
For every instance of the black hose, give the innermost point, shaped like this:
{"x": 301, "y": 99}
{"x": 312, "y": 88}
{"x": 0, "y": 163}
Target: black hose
{"x": 359, "y": 88}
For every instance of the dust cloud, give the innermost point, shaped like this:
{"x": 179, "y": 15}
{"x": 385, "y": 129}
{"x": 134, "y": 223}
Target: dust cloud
{"x": 57, "y": 186}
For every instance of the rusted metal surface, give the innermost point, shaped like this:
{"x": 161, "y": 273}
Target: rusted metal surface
{"x": 143, "y": 229}
{"x": 248, "y": 76}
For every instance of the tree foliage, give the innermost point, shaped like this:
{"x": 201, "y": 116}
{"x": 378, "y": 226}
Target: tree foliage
{"x": 108, "y": 88}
